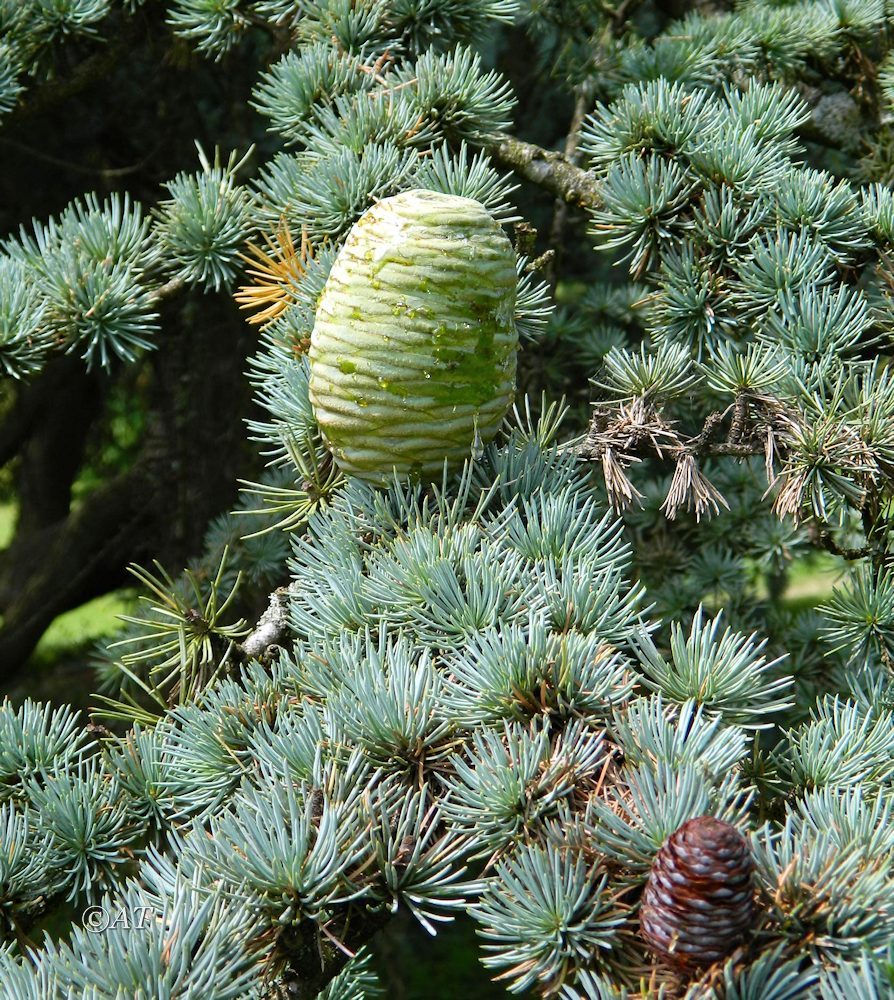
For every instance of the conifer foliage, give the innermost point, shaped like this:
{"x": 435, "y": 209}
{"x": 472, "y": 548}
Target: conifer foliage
{"x": 559, "y": 690}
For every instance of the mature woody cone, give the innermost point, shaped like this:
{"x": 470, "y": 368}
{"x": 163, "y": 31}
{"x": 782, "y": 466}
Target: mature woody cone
{"x": 698, "y": 900}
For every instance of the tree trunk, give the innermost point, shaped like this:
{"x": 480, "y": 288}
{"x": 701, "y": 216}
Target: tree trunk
{"x": 195, "y": 450}
{"x": 47, "y": 431}
{"x": 79, "y": 557}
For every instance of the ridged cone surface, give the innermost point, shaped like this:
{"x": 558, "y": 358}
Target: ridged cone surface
{"x": 697, "y": 903}
{"x": 413, "y": 352}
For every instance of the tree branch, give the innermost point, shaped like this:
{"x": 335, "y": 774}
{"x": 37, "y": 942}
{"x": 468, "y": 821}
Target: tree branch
{"x": 561, "y": 207}
{"x": 272, "y": 627}
{"x": 702, "y": 440}
{"x": 599, "y": 437}
{"x": 92, "y": 70}
{"x": 721, "y": 448}
{"x": 92, "y": 544}
{"x": 167, "y": 291}
{"x": 547, "y": 169}
{"x": 106, "y": 173}
{"x": 617, "y": 15}
{"x": 823, "y": 538}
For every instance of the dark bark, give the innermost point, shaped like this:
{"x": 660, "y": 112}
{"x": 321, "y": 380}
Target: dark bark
{"x": 79, "y": 556}
{"x": 54, "y": 450}
{"x": 47, "y": 430}
{"x": 199, "y": 401}
{"x": 159, "y": 508}
{"x": 114, "y": 111}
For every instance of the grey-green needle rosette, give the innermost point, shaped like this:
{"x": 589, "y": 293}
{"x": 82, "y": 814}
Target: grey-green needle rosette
{"x": 413, "y": 351}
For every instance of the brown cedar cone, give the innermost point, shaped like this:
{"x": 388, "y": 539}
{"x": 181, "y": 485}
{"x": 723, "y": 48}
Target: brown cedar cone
{"x": 698, "y": 900}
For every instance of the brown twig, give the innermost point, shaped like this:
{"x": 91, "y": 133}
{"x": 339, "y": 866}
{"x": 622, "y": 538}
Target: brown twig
{"x": 561, "y": 208}
{"x": 711, "y": 425}
{"x": 106, "y": 173}
{"x": 823, "y": 538}
{"x": 167, "y": 291}
{"x": 740, "y": 412}
{"x": 547, "y": 169}
{"x": 637, "y": 436}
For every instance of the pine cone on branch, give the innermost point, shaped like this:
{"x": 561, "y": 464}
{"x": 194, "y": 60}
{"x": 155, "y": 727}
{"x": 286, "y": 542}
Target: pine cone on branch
{"x": 697, "y": 902}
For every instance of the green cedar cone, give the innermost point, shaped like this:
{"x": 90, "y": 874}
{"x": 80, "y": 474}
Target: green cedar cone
{"x": 697, "y": 902}
{"x": 413, "y": 352}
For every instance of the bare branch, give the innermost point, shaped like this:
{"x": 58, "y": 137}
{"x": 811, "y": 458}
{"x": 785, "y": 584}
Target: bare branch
{"x": 547, "y": 169}
{"x": 823, "y": 538}
{"x": 629, "y": 432}
{"x": 167, "y": 291}
{"x": 561, "y": 208}
{"x": 272, "y": 627}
